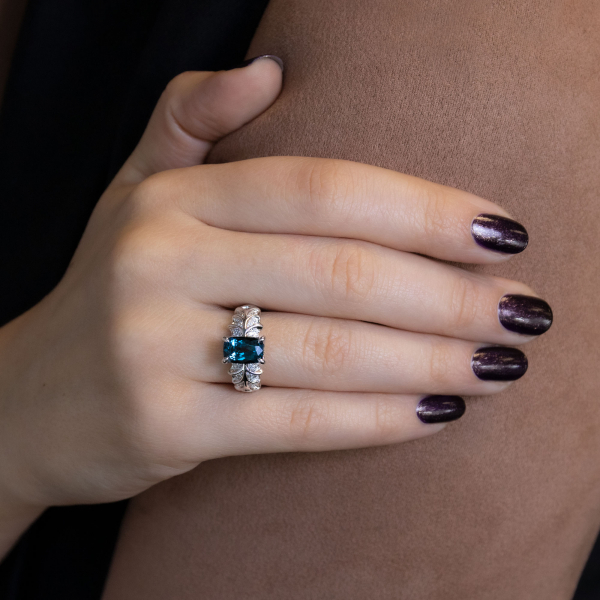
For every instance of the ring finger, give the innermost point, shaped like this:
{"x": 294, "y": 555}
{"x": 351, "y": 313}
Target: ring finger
{"x": 338, "y": 355}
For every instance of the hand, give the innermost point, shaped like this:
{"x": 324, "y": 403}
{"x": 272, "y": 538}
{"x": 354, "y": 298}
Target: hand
{"x": 115, "y": 382}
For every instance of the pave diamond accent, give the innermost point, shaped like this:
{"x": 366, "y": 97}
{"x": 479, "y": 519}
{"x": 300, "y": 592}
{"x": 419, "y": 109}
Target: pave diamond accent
{"x": 236, "y": 368}
{"x": 252, "y": 322}
{"x": 252, "y": 377}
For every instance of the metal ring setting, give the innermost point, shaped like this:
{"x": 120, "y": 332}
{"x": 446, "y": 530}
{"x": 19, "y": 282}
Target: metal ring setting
{"x": 245, "y": 348}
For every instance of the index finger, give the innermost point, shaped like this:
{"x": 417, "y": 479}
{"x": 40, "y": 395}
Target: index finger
{"x": 338, "y": 198}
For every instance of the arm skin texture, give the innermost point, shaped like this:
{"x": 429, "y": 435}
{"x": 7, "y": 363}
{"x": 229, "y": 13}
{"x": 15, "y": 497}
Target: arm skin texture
{"x": 498, "y": 98}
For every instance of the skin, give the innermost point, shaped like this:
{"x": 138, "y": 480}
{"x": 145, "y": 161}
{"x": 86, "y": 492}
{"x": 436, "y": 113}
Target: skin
{"x": 117, "y": 375}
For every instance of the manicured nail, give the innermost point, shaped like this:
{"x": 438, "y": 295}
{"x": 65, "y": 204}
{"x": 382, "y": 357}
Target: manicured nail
{"x": 499, "y": 364}
{"x": 440, "y": 409}
{"x": 499, "y": 233}
{"x": 251, "y": 60}
{"x": 524, "y": 314}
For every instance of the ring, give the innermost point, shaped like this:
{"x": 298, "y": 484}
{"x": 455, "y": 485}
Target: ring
{"x": 245, "y": 349}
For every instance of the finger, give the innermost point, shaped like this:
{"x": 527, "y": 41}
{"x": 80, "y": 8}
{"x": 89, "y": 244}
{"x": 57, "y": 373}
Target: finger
{"x": 338, "y": 198}
{"x": 338, "y": 355}
{"x": 358, "y": 281}
{"x": 197, "y": 109}
{"x": 286, "y": 420}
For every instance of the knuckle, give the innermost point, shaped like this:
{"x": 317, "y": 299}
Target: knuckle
{"x": 327, "y": 186}
{"x": 173, "y": 95}
{"x": 154, "y": 190}
{"x": 464, "y": 303}
{"x": 328, "y": 349}
{"x": 134, "y": 256}
{"x": 441, "y": 365}
{"x": 155, "y": 244}
{"x": 308, "y": 419}
{"x": 434, "y": 213}
{"x": 386, "y": 419}
{"x": 176, "y": 85}
{"x": 150, "y": 255}
{"x": 186, "y": 110}
{"x": 345, "y": 270}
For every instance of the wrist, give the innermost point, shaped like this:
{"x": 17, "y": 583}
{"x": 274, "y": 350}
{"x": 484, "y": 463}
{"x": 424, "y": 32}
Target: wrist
{"x": 16, "y": 511}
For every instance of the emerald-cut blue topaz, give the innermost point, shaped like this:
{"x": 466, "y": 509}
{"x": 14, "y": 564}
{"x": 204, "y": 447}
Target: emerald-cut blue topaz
{"x": 243, "y": 349}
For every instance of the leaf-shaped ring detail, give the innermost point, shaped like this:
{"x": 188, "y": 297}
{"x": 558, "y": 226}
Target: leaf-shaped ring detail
{"x": 236, "y": 368}
{"x": 252, "y": 322}
{"x": 244, "y": 350}
{"x": 238, "y": 377}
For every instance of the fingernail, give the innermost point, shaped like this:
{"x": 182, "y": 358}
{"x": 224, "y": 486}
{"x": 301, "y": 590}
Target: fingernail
{"x": 499, "y": 364}
{"x": 524, "y": 314}
{"x": 440, "y": 409}
{"x": 251, "y": 60}
{"x": 499, "y": 233}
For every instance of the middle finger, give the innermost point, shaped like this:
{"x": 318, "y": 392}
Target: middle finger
{"x": 363, "y": 281}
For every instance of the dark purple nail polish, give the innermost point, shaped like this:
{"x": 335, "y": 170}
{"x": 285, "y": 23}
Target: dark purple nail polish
{"x": 248, "y": 62}
{"x": 524, "y": 314}
{"x": 498, "y": 363}
{"x": 499, "y": 233}
{"x": 440, "y": 409}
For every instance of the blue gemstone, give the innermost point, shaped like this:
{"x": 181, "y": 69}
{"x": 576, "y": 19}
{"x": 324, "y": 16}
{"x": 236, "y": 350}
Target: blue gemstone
{"x": 243, "y": 349}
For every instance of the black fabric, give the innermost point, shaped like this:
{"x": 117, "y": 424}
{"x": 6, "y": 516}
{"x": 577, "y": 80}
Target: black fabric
{"x": 84, "y": 80}
{"x": 589, "y": 582}
{"x": 65, "y": 554}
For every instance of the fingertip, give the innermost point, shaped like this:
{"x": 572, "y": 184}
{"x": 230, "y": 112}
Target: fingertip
{"x": 232, "y": 98}
{"x": 251, "y": 61}
{"x": 499, "y": 234}
{"x": 263, "y": 78}
{"x": 197, "y": 109}
{"x": 440, "y": 409}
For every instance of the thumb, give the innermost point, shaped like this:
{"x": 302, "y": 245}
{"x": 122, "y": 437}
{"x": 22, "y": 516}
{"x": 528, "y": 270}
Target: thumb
{"x": 197, "y": 109}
